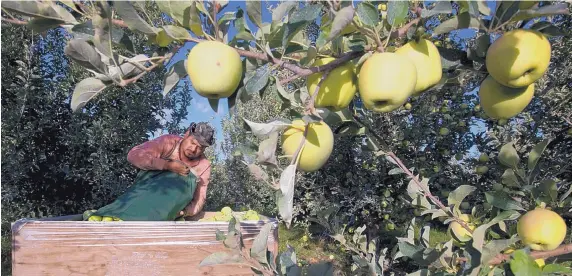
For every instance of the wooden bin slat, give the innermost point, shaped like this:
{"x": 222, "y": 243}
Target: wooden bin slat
{"x": 53, "y": 247}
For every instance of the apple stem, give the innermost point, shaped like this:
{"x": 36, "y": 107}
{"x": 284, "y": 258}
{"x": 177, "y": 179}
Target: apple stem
{"x": 310, "y": 108}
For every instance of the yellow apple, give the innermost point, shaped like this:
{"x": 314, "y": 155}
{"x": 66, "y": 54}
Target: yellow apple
{"x": 459, "y": 232}
{"x": 337, "y": 90}
{"x": 94, "y": 218}
{"x": 107, "y": 219}
{"x": 540, "y": 262}
{"x": 427, "y": 60}
{"x": 541, "y": 229}
{"x": 215, "y": 69}
{"x": 408, "y": 106}
{"x": 386, "y": 80}
{"x": 502, "y": 102}
{"x": 317, "y": 148}
{"x": 482, "y": 169}
{"x": 518, "y": 58}
{"x": 226, "y": 210}
{"x": 483, "y": 158}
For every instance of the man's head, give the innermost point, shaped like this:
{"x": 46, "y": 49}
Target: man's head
{"x": 198, "y": 137}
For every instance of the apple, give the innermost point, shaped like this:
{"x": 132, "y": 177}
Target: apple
{"x": 427, "y": 60}
{"x": 462, "y": 124}
{"x": 386, "y": 80}
{"x": 477, "y": 108}
{"x": 444, "y": 131}
{"x": 215, "y": 69}
{"x": 482, "y": 169}
{"x": 459, "y": 232}
{"x": 483, "y": 158}
{"x": 541, "y": 229}
{"x": 540, "y": 262}
{"x": 390, "y": 226}
{"x": 226, "y": 210}
{"x": 94, "y": 218}
{"x": 408, "y": 106}
{"x": 382, "y": 7}
{"x": 337, "y": 90}
{"x": 502, "y": 102}
{"x": 107, "y": 219}
{"x": 386, "y": 217}
{"x": 384, "y": 204}
{"x": 518, "y": 58}
{"x": 317, "y": 148}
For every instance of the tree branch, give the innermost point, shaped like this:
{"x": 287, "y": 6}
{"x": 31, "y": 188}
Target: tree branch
{"x": 310, "y": 108}
{"x": 149, "y": 69}
{"x": 561, "y": 250}
{"x": 15, "y": 21}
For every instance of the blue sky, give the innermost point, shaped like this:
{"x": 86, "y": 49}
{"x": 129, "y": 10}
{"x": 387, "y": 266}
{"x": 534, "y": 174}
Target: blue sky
{"x": 200, "y": 110}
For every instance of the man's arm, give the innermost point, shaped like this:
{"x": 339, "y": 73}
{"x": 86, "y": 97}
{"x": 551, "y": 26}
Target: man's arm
{"x": 200, "y": 196}
{"x": 147, "y": 156}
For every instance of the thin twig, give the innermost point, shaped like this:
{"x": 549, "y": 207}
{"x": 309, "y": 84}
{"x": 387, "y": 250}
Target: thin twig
{"x": 134, "y": 79}
{"x": 14, "y": 21}
{"x": 215, "y": 10}
{"x": 310, "y": 108}
{"x": 426, "y": 192}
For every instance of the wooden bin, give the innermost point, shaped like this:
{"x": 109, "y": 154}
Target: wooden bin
{"x": 68, "y": 246}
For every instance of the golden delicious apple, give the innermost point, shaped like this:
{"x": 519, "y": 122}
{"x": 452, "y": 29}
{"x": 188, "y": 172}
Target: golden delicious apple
{"x": 482, "y": 169}
{"x": 444, "y": 131}
{"x": 518, "y": 58}
{"x": 427, "y": 60}
{"x": 483, "y": 158}
{"x": 408, "y": 106}
{"x": 459, "y": 232}
{"x": 386, "y": 80}
{"x": 337, "y": 90}
{"x": 502, "y": 102}
{"x": 215, "y": 69}
{"x": 107, "y": 219}
{"x": 541, "y": 229}
{"x": 317, "y": 148}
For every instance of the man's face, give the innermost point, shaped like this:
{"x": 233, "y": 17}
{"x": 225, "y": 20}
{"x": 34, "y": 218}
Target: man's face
{"x": 191, "y": 148}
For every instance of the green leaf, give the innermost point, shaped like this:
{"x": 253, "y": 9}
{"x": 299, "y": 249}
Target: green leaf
{"x": 259, "y": 80}
{"x": 287, "y": 260}
{"x": 264, "y": 130}
{"x": 260, "y": 244}
{"x": 284, "y": 8}
{"x": 556, "y": 268}
{"x": 547, "y": 29}
{"x": 128, "y": 13}
{"x": 227, "y": 16}
{"x": 556, "y": 9}
{"x": 178, "y": 10}
{"x": 129, "y": 68}
{"x": 173, "y": 76}
{"x": 176, "y": 32}
{"x": 254, "y": 11}
{"x": 343, "y": 18}
{"x": 368, "y": 14}
{"x": 502, "y": 201}
{"x": 87, "y": 31}
{"x": 325, "y": 269}
{"x": 494, "y": 247}
{"x": 192, "y": 19}
{"x": 43, "y": 24}
{"x": 462, "y": 21}
{"x": 441, "y": 7}
{"x": 84, "y": 91}
{"x": 267, "y": 150}
{"x": 483, "y": 43}
{"x": 299, "y": 20}
{"x": 36, "y": 9}
{"x": 522, "y": 264}
{"x": 483, "y": 8}
{"x": 219, "y": 258}
{"x": 458, "y": 195}
{"x": 536, "y": 153}
{"x": 510, "y": 179}
{"x": 70, "y": 4}
{"x": 246, "y": 35}
{"x": 508, "y": 156}
{"x": 85, "y": 55}
{"x": 548, "y": 187}
{"x": 286, "y": 201}
{"x": 397, "y": 12}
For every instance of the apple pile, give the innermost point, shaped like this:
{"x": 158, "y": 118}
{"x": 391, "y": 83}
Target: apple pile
{"x": 514, "y": 62}
{"x": 226, "y": 213}
{"x": 88, "y": 215}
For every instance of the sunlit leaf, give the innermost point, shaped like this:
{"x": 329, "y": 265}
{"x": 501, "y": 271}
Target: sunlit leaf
{"x": 286, "y": 199}
{"x": 279, "y": 12}
{"x": 342, "y": 19}
{"x": 263, "y": 130}
{"x": 441, "y": 7}
{"x": 254, "y": 11}
{"x": 556, "y": 9}
{"x": 367, "y": 13}
{"x": 129, "y": 14}
{"x": 176, "y": 32}
{"x": 219, "y": 258}
{"x": 267, "y": 149}
{"x": 522, "y": 264}
{"x": 85, "y": 55}
{"x": 299, "y": 20}
{"x": 397, "y": 12}
{"x": 84, "y": 91}
{"x": 260, "y": 244}
{"x": 175, "y": 73}
{"x": 462, "y": 21}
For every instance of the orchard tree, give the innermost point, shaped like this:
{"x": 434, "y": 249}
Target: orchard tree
{"x": 343, "y": 68}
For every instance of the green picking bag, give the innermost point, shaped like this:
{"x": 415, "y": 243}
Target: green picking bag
{"x": 154, "y": 196}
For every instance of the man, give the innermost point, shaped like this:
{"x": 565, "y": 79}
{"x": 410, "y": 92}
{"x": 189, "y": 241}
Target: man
{"x": 181, "y": 156}
{"x": 173, "y": 179}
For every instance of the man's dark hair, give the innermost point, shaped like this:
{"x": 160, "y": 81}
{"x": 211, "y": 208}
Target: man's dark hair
{"x": 203, "y": 132}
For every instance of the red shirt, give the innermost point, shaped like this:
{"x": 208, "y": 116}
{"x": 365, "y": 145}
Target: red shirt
{"x": 152, "y": 155}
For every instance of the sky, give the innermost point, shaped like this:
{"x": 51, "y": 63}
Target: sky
{"x": 200, "y": 109}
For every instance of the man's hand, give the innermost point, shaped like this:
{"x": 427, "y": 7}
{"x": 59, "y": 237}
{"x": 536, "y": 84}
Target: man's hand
{"x": 177, "y": 167}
